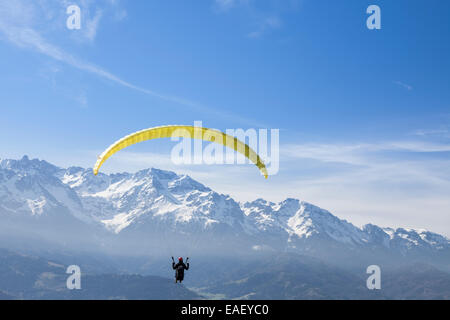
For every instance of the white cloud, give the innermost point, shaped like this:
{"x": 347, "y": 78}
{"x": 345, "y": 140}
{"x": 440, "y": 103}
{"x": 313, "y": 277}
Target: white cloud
{"x": 404, "y": 85}
{"x": 92, "y": 25}
{"x": 442, "y": 132}
{"x": 357, "y": 154}
{"x": 400, "y": 183}
{"x": 264, "y": 26}
{"x": 17, "y": 25}
{"x": 225, "y": 5}
{"x": 82, "y": 99}
{"x": 262, "y": 20}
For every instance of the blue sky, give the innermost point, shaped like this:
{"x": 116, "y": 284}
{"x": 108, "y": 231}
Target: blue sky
{"x": 364, "y": 115}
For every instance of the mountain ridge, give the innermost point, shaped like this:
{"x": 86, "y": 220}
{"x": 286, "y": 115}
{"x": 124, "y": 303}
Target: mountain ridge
{"x": 155, "y": 201}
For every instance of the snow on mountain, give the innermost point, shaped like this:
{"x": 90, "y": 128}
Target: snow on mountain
{"x": 408, "y": 238}
{"x": 302, "y": 220}
{"x": 31, "y": 186}
{"x": 153, "y": 197}
{"x": 121, "y": 200}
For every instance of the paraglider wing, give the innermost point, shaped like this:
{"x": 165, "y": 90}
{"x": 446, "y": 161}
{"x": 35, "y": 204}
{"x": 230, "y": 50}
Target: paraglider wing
{"x": 180, "y": 131}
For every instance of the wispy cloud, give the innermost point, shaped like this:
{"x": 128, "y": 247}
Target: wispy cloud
{"x": 386, "y": 183}
{"x": 92, "y": 25}
{"x": 264, "y": 26}
{"x": 404, "y": 85}
{"x": 82, "y": 99}
{"x": 25, "y": 36}
{"x": 315, "y": 163}
{"x": 17, "y": 24}
{"x": 225, "y": 5}
{"x": 261, "y": 19}
{"x": 442, "y": 132}
{"x": 358, "y": 154}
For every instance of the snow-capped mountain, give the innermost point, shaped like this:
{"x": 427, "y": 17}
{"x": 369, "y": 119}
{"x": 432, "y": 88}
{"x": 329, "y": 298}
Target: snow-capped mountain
{"x": 153, "y": 206}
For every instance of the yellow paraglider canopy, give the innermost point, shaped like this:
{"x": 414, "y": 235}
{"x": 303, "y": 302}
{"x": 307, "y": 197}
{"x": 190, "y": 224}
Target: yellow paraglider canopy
{"x": 180, "y": 131}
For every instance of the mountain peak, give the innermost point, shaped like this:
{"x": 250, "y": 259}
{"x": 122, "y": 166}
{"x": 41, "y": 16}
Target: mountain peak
{"x": 26, "y": 165}
{"x": 163, "y": 174}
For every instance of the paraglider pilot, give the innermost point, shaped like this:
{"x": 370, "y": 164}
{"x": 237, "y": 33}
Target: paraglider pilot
{"x": 179, "y": 268}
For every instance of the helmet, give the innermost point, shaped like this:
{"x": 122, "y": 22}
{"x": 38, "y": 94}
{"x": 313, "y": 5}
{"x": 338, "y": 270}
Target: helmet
{"x": 180, "y": 259}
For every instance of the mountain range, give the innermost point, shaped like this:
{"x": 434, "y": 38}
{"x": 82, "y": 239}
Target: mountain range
{"x": 154, "y": 209}
{"x": 118, "y": 225}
